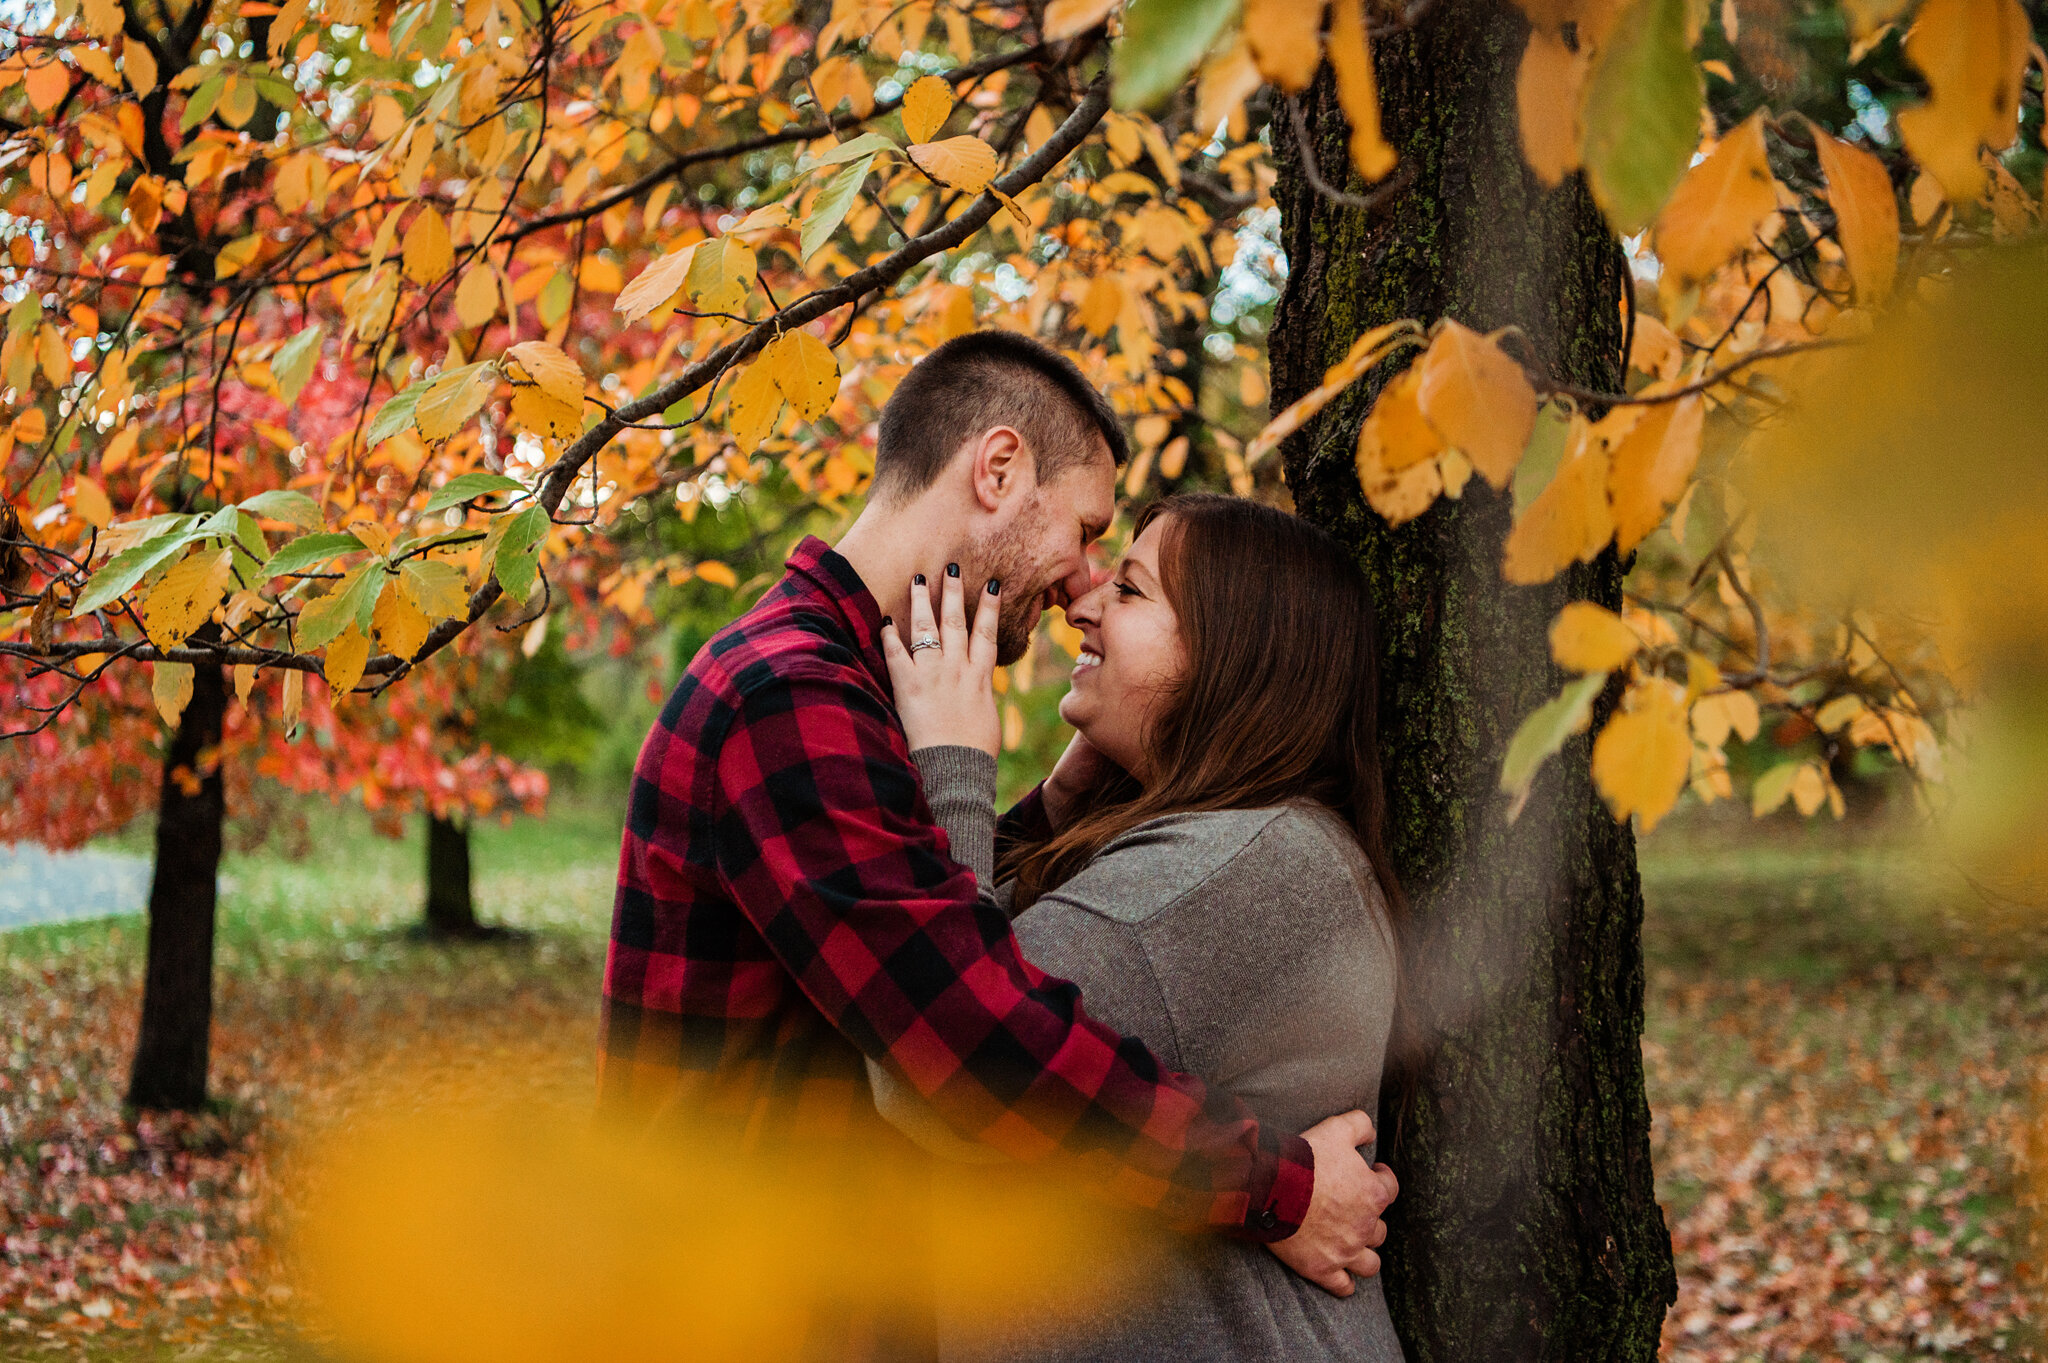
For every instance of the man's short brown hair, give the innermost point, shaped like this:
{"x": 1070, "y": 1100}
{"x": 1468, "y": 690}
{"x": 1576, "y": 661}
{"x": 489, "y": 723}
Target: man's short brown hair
{"x": 982, "y": 380}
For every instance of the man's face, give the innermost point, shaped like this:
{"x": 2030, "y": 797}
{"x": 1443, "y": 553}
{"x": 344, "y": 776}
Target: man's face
{"x": 1041, "y": 554}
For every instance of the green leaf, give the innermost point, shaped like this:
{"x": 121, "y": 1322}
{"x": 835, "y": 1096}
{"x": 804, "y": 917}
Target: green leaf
{"x": 464, "y": 486}
{"x": 395, "y": 415}
{"x": 867, "y": 144}
{"x": 832, "y": 205}
{"x": 282, "y": 504}
{"x": 128, "y": 567}
{"x": 201, "y": 104}
{"x": 25, "y": 316}
{"x": 1773, "y": 787}
{"x": 1642, "y": 113}
{"x": 1543, "y": 733}
{"x": 308, "y": 552}
{"x": 1541, "y": 456}
{"x": 294, "y": 361}
{"x": 348, "y": 604}
{"x": 1163, "y": 39}
{"x": 249, "y": 536}
{"x": 518, "y": 557}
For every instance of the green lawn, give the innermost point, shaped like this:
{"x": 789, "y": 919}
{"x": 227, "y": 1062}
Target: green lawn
{"x": 1841, "y": 1043}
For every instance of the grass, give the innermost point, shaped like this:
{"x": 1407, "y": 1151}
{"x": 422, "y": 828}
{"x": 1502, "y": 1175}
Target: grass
{"x": 1841, "y": 1044}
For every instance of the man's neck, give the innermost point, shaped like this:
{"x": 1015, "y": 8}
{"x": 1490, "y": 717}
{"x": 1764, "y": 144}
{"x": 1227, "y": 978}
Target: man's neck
{"x": 890, "y": 542}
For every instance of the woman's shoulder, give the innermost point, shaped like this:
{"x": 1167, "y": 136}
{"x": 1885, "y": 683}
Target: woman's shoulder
{"x": 1295, "y": 848}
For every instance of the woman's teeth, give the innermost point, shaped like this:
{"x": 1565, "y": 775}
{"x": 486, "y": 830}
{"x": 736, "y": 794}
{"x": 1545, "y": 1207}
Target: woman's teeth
{"x": 1087, "y": 659}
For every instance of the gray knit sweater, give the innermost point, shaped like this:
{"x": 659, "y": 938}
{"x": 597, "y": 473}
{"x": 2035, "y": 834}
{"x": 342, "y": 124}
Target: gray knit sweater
{"x": 1249, "y": 947}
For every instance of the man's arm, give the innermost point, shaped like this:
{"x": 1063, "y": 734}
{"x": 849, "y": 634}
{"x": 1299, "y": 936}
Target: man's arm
{"x": 820, "y": 841}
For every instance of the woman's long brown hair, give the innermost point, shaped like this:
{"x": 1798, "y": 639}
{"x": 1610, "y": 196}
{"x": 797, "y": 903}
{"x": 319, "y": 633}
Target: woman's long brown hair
{"x": 1279, "y": 701}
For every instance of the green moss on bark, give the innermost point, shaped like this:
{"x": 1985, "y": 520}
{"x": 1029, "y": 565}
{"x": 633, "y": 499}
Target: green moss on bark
{"x": 1528, "y": 1226}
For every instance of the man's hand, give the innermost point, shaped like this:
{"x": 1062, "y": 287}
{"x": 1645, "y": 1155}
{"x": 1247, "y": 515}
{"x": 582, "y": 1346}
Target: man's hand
{"x": 1342, "y": 1230}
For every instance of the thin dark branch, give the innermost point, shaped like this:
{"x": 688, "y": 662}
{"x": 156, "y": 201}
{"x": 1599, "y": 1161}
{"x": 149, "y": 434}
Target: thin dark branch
{"x": 1363, "y": 202}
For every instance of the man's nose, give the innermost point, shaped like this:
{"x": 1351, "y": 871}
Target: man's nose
{"x": 1078, "y": 583}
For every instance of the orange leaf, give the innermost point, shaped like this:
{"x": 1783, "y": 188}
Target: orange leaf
{"x": 1650, "y": 464}
{"x": 1478, "y": 399}
{"x": 1358, "y": 90}
{"x": 966, "y": 163}
{"x": 1589, "y": 638}
{"x": 1974, "y": 53}
{"x": 1642, "y": 757}
{"x": 1716, "y": 209}
{"x": 1401, "y": 493}
{"x": 1568, "y": 521}
{"x": 1397, "y": 431}
{"x": 1548, "y": 86}
{"x": 925, "y": 106}
{"x": 1286, "y": 41}
{"x": 1866, "y": 215}
{"x": 756, "y": 402}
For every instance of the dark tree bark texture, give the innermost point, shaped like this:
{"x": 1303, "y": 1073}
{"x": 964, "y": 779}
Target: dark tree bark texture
{"x": 451, "y": 909}
{"x": 1527, "y": 1226}
{"x": 177, "y": 990}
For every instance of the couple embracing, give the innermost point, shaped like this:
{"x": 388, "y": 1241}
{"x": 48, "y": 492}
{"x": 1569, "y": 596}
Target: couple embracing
{"x": 1173, "y": 964}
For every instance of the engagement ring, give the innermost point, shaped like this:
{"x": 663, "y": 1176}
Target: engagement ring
{"x": 927, "y": 642}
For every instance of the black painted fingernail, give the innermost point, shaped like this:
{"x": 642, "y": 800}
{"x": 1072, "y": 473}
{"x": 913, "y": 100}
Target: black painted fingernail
{"x": 994, "y": 586}
{"x": 952, "y": 570}
{"x": 918, "y": 579}
{"x": 888, "y": 620}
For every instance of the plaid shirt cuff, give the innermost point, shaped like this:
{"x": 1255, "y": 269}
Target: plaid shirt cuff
{"x": 1025, "y": 823}
{"x": 1280, "y": 1192}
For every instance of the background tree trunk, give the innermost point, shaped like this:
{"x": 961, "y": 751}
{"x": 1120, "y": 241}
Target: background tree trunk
{"x": 1528, "y": 1225}
{"x": 177, "y": 988}
{"x": 451, "y": 909}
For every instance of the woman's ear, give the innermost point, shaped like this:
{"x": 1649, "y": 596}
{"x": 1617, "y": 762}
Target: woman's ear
{"x": 1001, "y": 468}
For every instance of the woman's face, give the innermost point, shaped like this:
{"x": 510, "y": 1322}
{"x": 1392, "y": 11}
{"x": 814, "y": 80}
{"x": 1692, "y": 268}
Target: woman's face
{"x": 1131, "y": 654}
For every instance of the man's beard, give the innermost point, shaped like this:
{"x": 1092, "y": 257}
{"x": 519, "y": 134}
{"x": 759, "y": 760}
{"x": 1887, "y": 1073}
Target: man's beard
{"x": 1004, "y": 558}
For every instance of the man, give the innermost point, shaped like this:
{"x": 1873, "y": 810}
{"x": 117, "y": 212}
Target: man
{"x": 786, "y": 905}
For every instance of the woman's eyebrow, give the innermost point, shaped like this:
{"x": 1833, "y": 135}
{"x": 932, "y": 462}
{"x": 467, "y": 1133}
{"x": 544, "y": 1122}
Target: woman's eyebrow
{"x": 1131, "y": 565}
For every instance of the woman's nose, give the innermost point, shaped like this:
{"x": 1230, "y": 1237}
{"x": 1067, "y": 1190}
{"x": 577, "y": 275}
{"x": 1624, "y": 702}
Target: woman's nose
{"x": 1087, "y": 608}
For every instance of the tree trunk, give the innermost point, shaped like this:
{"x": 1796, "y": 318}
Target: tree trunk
{"x": 451, "y": 911}
{"x": 1527, "y": 1225}
{"x": 177, "y": 988}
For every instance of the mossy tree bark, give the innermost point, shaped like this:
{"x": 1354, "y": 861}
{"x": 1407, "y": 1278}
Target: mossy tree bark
{"x": 172, "y": 1045}
{"x": 1527, "y": 1225}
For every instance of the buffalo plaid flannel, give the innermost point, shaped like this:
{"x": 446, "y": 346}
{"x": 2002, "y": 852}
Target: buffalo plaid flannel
{"x": 786, "y": 904}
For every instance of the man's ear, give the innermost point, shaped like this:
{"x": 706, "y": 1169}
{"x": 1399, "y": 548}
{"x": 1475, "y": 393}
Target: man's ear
{"x": 1002, "y": 467}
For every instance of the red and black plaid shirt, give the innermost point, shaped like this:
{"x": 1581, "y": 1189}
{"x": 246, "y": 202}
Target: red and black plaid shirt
{"x": 786, "y": 904}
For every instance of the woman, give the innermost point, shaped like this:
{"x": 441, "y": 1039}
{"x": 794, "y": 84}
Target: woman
{"x": 1209, "y": 869}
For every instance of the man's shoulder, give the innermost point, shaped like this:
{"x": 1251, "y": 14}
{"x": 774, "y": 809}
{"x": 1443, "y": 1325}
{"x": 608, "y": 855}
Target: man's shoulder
{"x": 775, "y": 643}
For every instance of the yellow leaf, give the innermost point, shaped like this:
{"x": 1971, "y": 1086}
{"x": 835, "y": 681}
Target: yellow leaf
{"x": 245, "y": 679}
{"x": 427, "y": 253}
{"x": 140, "y": 67}
{"x": 1227, "y": 80}
{"x": 1548, "y": 86}
{"x": 1478, "y": 400}
{"x": 343, "y": 663}
{"x": 46, "y": 84}
{"x": 719, "y": 274}
{"x": 98, "y": 63}
{"x": 804, "y": 371}
{"x": 477, "y": 296}
{"x": 294, "y": 695}
{"x": 185, "y": 596}
{"x": 1838, "y": 712}
{"x": 534, "y": 411}
{"x": 1589, "y": 638}
{"x": 400, "y": 625}
{"x": 234, "y": 257}
{"x": 1101, "y": 304}
{"x": 1643, "y": 756}
{"x": 1716, "y": 209}
{"x": 1715, "y": 717}
{"x": 1809, "y": 788}
{"x": 89, "y": 501}
{"x": 102, "y": 18}
{"x": 1656, "y": 350}
{"x": 170, "y": 686}
{"x": 1367, "y": 351}
{"x": 1974, "y": 53}
{"x": 718, "y": 574}
{"x": 434, "y": 588}
{"x": 450, "y": 401}
{"x": 1650, "y": 465}
{"x": 1396, "y": 429}
{"x": 1866, "y": 215}
{"x": 1066, "y": 18}
{"x": 1568, "y": 521}
{"x": 30, "y": 427}
{"x": 538, "y": 363}
{"x": 656, "y": 284}
{"x": 1286, "y": 41}
{"x": 966, "y": 163}
{"x": 756, "y": 402}
{"x": 1358, "y": 89}
{"x": 925, "y": 106}
{"x": 1397, "y": 494}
